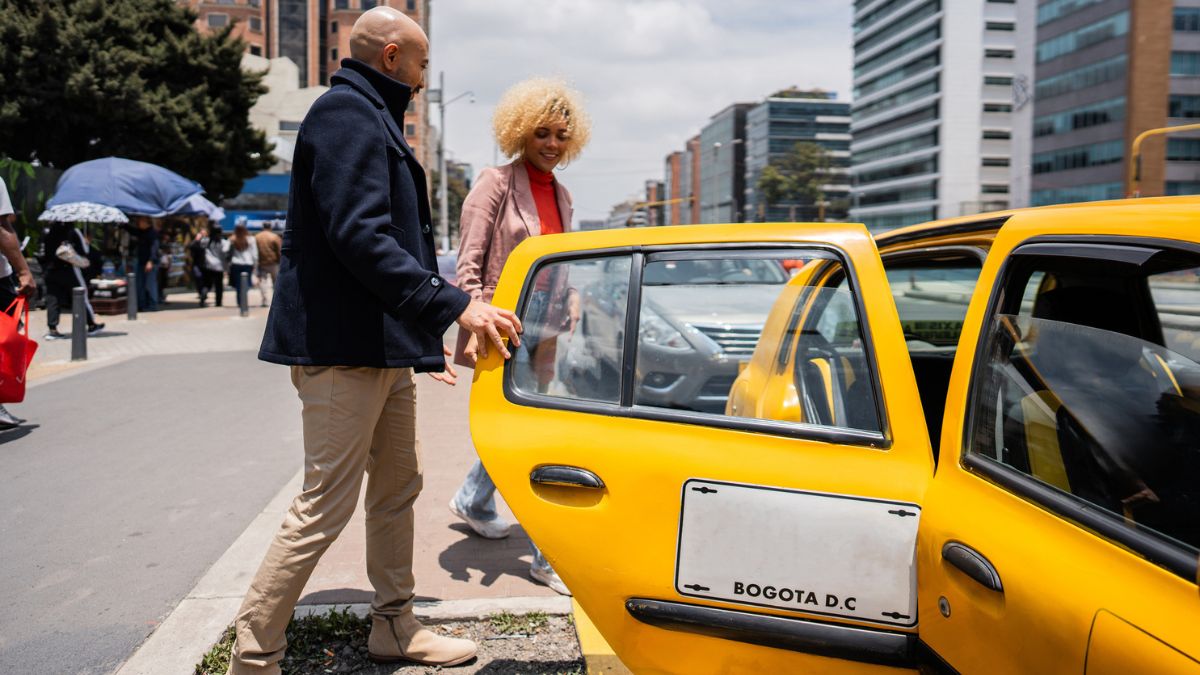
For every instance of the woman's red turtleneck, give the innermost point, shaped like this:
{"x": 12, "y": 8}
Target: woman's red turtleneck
{"x": 542, "y": 185}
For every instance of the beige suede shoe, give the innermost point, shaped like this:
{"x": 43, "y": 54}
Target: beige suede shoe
{"x": 403, "y": 638}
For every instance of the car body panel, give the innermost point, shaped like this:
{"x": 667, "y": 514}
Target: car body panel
{"x": 619, "y": 543}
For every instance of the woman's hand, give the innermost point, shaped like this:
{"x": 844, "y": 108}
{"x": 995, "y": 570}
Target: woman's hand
{"x": 471, "y": 350}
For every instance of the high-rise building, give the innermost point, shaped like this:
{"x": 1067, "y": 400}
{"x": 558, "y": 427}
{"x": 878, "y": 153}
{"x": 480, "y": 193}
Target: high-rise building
{"x": 315, "y": 35}
{"x": 1103, "y": 71}
{"x": 689, "y": 183}
{"x": 773, "y": 128}
{"x": 931, "y": 119}
{"x": 722, "y": 152}
{"x": 673, "y": 189}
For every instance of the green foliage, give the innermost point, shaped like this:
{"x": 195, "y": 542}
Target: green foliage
{"x": 519, "y": 624}
{"x": 313, "y": 642}
{"x": 83, "y": 79}
{"x": 797, "y": 177}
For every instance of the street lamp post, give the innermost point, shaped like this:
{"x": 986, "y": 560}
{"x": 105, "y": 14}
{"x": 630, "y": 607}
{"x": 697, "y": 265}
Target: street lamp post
{"x": 443, "y": 205}
{"x": 1134, "y": 188}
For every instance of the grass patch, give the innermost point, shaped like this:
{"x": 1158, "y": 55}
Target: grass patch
{"x": 314, "y": 641}
{"x": 518, "y": 624}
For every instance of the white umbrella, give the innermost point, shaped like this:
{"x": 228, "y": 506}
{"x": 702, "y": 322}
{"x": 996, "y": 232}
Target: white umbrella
{"x": 82, "y": 212}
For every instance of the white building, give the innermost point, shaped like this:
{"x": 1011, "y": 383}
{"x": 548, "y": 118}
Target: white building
{"x": 280, "y": 110}
{"x": 932, "y": 115}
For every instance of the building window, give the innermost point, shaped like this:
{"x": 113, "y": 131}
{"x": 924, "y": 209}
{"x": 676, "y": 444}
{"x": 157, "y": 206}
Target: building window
{"x": 333, "y": 54}
{"x": 995, "y": 161}
{"x": 1000, "y": 25}
{"x": 1182, "y": 105}
{"x": 994, "y": 189}
{"x": 998, "y": 80}
{"x": 1187, "y": 19}
{"x": 255, "y": 24}
{"x": 1049, "y": 11}
{"x": 369, "y": 4}
{"x": 410, "y": 130}
{"x": 1185, "y": 63}
{"x": 901, "y": 147}
{"x": 255, "y": 50}
{"x": 1183, "y": 150}
{"x": 1080, "y": 193}
{"x": 1082, "y": 78}
{"x": 411, "y": 5}
{"x": 916, "y": 193}
{"x": 919, "y": 91}
{"x": 1183, "y": 187}
{"x": 997, "y": 107}
{"x": 998, "y": 53}
{"x": 1082, "y": 117}
{"x": 341, "y": 4}
{"x": 218, "y": 20}
{"x": 1081, "y": 38}
{"x": 895, "y": 27}
{"x": 996, "y": 134}
{"x": 1078, "y": 157}
{"x": 926, "y": 37}
{"x": 333, "y": 26}
{"x": 254, "y": 3}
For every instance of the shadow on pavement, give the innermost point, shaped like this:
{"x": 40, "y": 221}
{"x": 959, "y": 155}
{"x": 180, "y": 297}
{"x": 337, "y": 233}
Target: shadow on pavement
{"x": 18, "y": 433}
{"x": 348, "y": 596}
{"x": 492, "y": 558}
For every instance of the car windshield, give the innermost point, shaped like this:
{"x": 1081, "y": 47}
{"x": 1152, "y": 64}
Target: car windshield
{"x": 713, "y": 272}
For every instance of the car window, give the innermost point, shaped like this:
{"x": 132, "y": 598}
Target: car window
{"x": 1090, "y": 385}
{"x": 932, "y": 300}
{"x": 573, "y": 314}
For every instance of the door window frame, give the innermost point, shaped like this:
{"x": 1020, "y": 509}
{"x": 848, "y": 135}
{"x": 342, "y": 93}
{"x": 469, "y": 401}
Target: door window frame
{"x": 626, "y": 407}
{"x": 1155, "y": 548}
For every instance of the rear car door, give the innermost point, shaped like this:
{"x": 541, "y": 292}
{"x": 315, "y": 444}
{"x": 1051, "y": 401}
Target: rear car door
{"x": 699, "y": 537}
{"x": 1062, "y": 530}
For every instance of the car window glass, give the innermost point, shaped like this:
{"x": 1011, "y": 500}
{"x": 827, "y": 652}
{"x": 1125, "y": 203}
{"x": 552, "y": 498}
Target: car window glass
{"x": 1079, "y": 392}
{"x": 932, "y": 301}
{"x": 574, "y": 320}
{"x": 1176, "y": 297}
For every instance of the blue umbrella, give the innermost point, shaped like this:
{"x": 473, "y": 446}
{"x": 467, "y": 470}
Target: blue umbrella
{"x": 136, "y": 188}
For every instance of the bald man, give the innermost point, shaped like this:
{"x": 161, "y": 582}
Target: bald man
{"x": 358, "y": 308}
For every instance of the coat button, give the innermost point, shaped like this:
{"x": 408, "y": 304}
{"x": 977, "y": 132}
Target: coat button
{"x": 426, "y": 228}
{"x": 435, "y": 281}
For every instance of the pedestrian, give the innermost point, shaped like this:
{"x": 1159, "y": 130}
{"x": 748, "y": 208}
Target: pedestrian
{"x": 243, "y": 258}
{"x": 359, "y": 308}
{"x": 15, "y": 277}
{"x": 164, "y": 266}
{"x": 269, "y": 250}
{"x": 65, "y": 251}
{"x": 195, "y": 252}
{"x": 216, "y": 249}
{"x": 147, "y": 263}
{"x": 542, "y": 123}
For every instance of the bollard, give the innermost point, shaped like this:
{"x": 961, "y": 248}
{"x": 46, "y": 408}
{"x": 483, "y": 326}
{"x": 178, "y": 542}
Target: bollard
{"x": 79, "y": 324}
{"x": 131, "y": 297}
{"x": 244, "y": 294}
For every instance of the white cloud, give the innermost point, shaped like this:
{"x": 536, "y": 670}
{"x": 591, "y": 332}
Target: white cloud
{"x": 652, "y": 71}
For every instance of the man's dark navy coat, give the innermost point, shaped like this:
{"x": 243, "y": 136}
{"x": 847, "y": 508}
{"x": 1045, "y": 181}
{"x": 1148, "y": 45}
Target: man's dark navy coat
{"x": 357, "y": 282}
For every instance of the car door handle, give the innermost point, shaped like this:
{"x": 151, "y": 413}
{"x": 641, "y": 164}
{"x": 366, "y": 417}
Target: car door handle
{"x": 568, "y": 476}
{"x": 973, "y": 564}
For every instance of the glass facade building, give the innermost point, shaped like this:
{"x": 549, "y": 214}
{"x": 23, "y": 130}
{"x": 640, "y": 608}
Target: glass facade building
{"x": 773, "y": 128}
{"x": 722, "y": 152}
{"x": 918, "y": 154}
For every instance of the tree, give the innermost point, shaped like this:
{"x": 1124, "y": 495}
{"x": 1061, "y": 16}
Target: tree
{"x": 798, "y": 177}
{"x": 82, "y": 79}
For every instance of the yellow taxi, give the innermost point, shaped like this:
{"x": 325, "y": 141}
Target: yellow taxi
{"x": 967, "y": 446}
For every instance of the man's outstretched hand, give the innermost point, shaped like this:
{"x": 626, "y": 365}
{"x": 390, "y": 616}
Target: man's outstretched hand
{"x": 448, "y": 376}
{"x": 489, "y": 324}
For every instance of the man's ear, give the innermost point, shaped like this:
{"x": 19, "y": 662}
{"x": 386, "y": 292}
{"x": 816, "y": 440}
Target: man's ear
{"x": 391, "y": 52}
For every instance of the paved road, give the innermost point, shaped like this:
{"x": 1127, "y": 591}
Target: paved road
{"x": 128, "y": 482}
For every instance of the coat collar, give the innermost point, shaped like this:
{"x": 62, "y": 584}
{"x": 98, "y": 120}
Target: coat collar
{"x": 528, "y": 208}
{"x": 383, "y": 91}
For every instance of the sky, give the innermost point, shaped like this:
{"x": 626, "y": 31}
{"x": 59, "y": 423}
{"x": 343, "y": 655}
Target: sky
{"x": 651, "y": 72}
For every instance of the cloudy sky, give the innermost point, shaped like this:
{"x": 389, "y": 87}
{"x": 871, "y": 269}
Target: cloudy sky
{"x": 652, "y": 71}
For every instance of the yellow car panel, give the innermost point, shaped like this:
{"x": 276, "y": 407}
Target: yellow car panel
{"x": 619, "y": 543}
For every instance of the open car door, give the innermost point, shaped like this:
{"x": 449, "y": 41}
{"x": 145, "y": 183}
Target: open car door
{"x": 700, "y": 537}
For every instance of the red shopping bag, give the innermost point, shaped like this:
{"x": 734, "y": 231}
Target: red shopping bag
{"x": 16, "y": 351}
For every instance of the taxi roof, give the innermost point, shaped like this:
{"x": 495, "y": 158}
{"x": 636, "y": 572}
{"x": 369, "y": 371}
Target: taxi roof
{"x": 986, "y": 224}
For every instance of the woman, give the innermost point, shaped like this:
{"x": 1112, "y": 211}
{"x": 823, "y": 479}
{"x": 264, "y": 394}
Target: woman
{"x": 62, "y": 276}
{"x": 243, "y": 259}
{"x": 216, "y": 248}
{"x": 542, "y": 125}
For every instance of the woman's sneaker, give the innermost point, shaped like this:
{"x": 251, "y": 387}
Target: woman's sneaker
{"x": 95, "y": 328}
{"x": 550, "y": 578}
{"x": 496, "y": 528}
{"x": 53, "y": 334}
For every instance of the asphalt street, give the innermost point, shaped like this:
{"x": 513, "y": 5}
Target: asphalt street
{"x": 123, "y": 488}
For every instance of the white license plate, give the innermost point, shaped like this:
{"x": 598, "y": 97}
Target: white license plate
{"x": 809, "y": 552}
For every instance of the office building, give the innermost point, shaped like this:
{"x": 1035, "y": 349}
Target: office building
{"x": 932, "y": 113}
{"x": 1103, "y": 71}
{"x": 315, "y": 35}
{"x": 773, "y": 128}
{"x": 722, "y": 155}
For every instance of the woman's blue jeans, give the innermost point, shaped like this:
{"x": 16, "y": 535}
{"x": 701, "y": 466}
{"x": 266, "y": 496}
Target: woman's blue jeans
{"x": 476, "y": 497}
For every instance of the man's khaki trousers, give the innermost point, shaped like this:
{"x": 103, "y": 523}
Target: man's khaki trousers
{"x": 355, "y": 420}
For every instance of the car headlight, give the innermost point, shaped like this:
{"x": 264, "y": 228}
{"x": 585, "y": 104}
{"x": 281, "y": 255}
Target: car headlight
{"x": 656, "y": 331}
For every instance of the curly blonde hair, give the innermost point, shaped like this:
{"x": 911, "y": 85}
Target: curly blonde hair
{"x": 533, "y": 103}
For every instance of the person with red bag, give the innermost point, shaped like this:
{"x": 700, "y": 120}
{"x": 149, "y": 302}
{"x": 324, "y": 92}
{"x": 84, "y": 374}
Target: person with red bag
{"x": 12, "y": 284}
